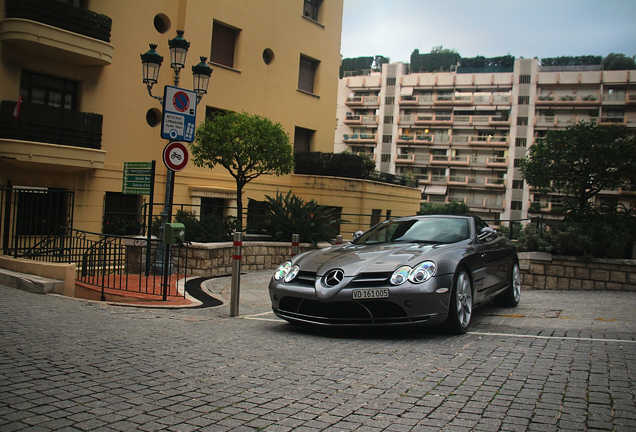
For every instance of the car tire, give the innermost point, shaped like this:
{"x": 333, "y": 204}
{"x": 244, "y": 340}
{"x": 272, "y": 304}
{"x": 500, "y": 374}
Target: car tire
{"x": 512, "y": 295}
{"x": 460, "y": 308}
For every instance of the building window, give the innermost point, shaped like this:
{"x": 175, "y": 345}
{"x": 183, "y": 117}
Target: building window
{"x": 307, "y": 73}
{"x": 517, "y": 184}
{"x": 391, "y": 81}
{"x": 517, "y": 162}
{"x": 223, "y": 44}
{"x": 256, "y": 212}
{"x": 388, "y": 119}
{"x": 516, "y": 205}
{"x": 524, "y": 79}
{"x": 47, "y": 90}
{"x": 389, "y": 100}
{"x": 120, "y": 213}
{"x": 523, "y": 100}
{"x": 302, "y": 139}
{"x": 311, "y": 9}
{"x": 522, "y": 121}
{"x": 375, "y": 216}
{"x": 41, "y": 211}
{"x": 521, "y": 142}
{"x": 387, "y": 139}
{"x": 212, "y": 207}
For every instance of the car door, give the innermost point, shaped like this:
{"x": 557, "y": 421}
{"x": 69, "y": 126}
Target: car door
{"x": 495, "y": 251}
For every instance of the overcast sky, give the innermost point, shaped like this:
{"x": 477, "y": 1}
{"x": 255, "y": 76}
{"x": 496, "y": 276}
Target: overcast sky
{"x": 528, "y": 28}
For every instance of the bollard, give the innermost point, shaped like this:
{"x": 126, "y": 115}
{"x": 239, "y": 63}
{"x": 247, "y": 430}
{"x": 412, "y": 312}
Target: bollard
{"x": 295, "y": 244}
{"x": 236, "y": 274}
{"x": 338, "y": 239}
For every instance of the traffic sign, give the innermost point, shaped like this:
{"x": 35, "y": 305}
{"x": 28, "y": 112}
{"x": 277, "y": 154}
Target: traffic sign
{"x": 176, "y": 156}
{"x": 179, "y": 114}
{"x": 137, "y": 178}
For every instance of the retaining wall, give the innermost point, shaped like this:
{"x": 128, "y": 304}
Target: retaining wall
{"x": 541, "y": 270}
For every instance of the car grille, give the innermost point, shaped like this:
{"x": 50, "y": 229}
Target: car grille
{"x": 306, "y": 278}
{"x": 370, "y": 280}
{"x": 344, "y": 313}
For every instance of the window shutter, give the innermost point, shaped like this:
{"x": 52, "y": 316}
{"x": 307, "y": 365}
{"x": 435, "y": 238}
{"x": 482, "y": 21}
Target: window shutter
{"x": 223, "y": 40}
{"x": 306, "y": 75}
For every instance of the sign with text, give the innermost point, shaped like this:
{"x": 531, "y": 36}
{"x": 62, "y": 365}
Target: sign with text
{"x": 137, "y": 178}
{"x": 179, "y": 114}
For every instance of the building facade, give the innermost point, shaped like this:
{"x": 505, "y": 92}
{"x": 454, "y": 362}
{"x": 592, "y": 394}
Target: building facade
{"x": 85, "y": 111}
{"x": 462, "y": 135}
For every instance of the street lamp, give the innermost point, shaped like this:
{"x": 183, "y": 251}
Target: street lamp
{"x": 151, "y": 62}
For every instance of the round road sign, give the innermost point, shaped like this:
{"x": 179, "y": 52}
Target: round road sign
{"x": 176, "y": 156}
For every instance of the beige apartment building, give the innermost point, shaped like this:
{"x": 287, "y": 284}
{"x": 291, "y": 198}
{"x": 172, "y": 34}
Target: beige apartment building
{"x": 85, "y": 110}
{"x": 462, "y": 135}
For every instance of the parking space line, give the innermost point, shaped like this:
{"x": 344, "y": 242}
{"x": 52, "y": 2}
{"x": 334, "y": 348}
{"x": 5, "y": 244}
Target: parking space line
{"x": 552, "y": 337}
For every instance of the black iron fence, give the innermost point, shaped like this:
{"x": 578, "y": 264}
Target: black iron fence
{"x": 61, "y": 15}
{"x": 53, "y": 125}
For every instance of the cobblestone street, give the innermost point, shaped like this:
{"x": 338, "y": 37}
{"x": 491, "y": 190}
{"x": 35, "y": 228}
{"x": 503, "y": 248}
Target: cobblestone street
{"x": 560, "y": 361}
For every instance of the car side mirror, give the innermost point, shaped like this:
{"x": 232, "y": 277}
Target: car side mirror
{"x": 357, "y": 234}
{"x": 487, "y": 234}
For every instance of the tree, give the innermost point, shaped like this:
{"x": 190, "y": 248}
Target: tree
{"x": 246, "y": 145}
{"x": 615, "y": 61}
{"x": 452, "y": 208}
{"x": 582, "y": 160}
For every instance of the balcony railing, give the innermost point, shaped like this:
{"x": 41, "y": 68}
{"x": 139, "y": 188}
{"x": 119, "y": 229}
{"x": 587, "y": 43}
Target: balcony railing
{"x": 361, "y": 119}
{"x": 405, "y": 158}
{"x": 61, "y": 15}
{"x": 497, "y": 162}
{"x": 589, "y": 99}
{"x": 45, "y": 124}
{"x": 360, "y": 138}
{"x": 362, "y": 100}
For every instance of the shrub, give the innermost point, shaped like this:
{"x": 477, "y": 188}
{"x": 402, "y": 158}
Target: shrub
{"x": 289, "y": 214}
{"x": 207, "y": 229}
{"x": 452, "y": 208}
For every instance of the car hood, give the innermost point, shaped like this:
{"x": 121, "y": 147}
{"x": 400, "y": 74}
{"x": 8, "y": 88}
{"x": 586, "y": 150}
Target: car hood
{"x": 353, "y": 259}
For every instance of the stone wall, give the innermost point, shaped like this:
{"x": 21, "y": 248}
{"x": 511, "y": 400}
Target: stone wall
{"x": 541, "y": 270}
{"x": 215, "y": 259}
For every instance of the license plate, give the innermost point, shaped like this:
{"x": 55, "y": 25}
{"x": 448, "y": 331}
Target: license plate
{"x": 375, "y": 293}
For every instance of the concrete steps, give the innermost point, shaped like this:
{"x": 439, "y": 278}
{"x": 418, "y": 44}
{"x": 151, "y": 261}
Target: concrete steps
{"x": 29, "y": 282}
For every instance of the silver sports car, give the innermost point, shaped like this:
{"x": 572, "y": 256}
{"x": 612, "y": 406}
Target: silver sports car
{"x": 430, "y": 270}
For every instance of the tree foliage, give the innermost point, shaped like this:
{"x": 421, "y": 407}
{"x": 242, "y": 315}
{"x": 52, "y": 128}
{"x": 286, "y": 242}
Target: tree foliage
{"x": 343, "y": 164}
{"x": 359, "y": 64}
{"x": 481, "y": 61}
{"x": 572, "y": 60}
{"x": 435, "y": 61}
{"x": 582, "y": 160}
{"x": 452, "y": 208}
{"x": 615, "y": 61}
{"x": 246, "y": 145}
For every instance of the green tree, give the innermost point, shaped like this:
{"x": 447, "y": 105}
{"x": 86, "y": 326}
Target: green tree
{"x": 581, "y": 161}
{"x": 246, "y": 145}
{"x": 452, "y": 208}
{"x": 615, "y": 61}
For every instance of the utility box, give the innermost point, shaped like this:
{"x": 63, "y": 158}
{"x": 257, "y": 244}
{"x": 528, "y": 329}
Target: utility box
{"x": 173, "y": 232}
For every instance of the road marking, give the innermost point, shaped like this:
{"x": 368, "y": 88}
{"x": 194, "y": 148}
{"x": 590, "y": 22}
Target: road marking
{"x": 256, "y": 317}
{"x": 553, "y": 337}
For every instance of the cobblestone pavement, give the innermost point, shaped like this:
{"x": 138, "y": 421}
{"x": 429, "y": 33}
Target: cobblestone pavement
{"x": 560, "y": 361}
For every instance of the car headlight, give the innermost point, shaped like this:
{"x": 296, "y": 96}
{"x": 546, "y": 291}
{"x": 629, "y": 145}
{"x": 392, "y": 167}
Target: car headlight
{"x": 423, "y": 272}
{"x": 282, "y": 270}
{"x": 292, "y": 273}
{"x": 401, "y": 275}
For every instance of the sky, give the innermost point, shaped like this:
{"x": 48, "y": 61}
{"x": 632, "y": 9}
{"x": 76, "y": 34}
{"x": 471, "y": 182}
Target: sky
{"x": 490, "y": 28}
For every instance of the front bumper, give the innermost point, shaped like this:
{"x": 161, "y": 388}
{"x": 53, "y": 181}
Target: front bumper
{"x": 408, "y": 304}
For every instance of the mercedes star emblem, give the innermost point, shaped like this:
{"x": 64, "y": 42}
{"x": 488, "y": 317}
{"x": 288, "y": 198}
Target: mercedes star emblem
{"x": 334, "y": 277}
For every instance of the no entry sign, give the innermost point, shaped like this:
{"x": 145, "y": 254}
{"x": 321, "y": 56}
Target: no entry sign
{"x": 176, "y": 156}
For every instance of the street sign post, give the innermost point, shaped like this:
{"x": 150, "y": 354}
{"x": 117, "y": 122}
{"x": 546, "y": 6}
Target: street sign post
{"x": 179, "y": 114}
{"x": 137, "y": 179}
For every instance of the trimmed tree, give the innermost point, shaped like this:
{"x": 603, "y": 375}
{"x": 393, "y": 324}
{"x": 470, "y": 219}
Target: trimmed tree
{"x": 246, "y": 145}
{"x": 581, "y": 161}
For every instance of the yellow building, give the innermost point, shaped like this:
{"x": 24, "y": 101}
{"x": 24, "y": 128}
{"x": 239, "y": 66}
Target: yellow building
{"x": 85, "y": 110}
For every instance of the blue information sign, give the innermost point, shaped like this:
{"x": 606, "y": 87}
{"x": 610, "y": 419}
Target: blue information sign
{"x": 179, "y": 114}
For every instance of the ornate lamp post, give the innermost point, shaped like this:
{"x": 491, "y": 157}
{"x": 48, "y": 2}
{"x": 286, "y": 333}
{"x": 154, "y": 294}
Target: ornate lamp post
{"x": 151, "y": 63}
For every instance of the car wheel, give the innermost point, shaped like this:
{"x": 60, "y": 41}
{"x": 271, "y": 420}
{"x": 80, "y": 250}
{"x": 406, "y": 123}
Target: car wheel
{"x": 460, "y": 309}
{"x": 512, "y": 295}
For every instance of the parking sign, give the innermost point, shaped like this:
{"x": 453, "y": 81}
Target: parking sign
{"x": 179, "y": 114}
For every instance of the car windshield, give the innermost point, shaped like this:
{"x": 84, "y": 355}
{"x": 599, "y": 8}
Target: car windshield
{"x": 427, "y": 231}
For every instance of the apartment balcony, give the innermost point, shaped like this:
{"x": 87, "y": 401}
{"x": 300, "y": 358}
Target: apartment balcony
{"x": 545, "y": 121}
{"x": 423, "y": 178}
{"x": 439, "y": 160}
{"x": 610, "y": 120}
{"x": 430, "y": 119}
{"x": 405, "y": 159}
{"x": 363, "y": 101}
{"x": 414, "y": 100}
{"x": 499, "y": 183}
{"x": 53, "y": 29}
{"x": 487, "y": 141}
{"x": 414, "y": 139}
{"x": 458, "y": 180}
{"x": 616, "y": 98}
{"x": 499, "y": 121}
{"x": 360, "y": 138}
{"x": 459, "y": 160}
{"x": 589, "y": 99}
{"x": 456, "y": 198}
{"x": 361, "y": 119}
{"x": 497, "y": 162}
{"x": 439, "y": 179}
{"x": 631, "y": 99}
{"x": 53, "y": 136}
{"x": 487, "y": 204}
